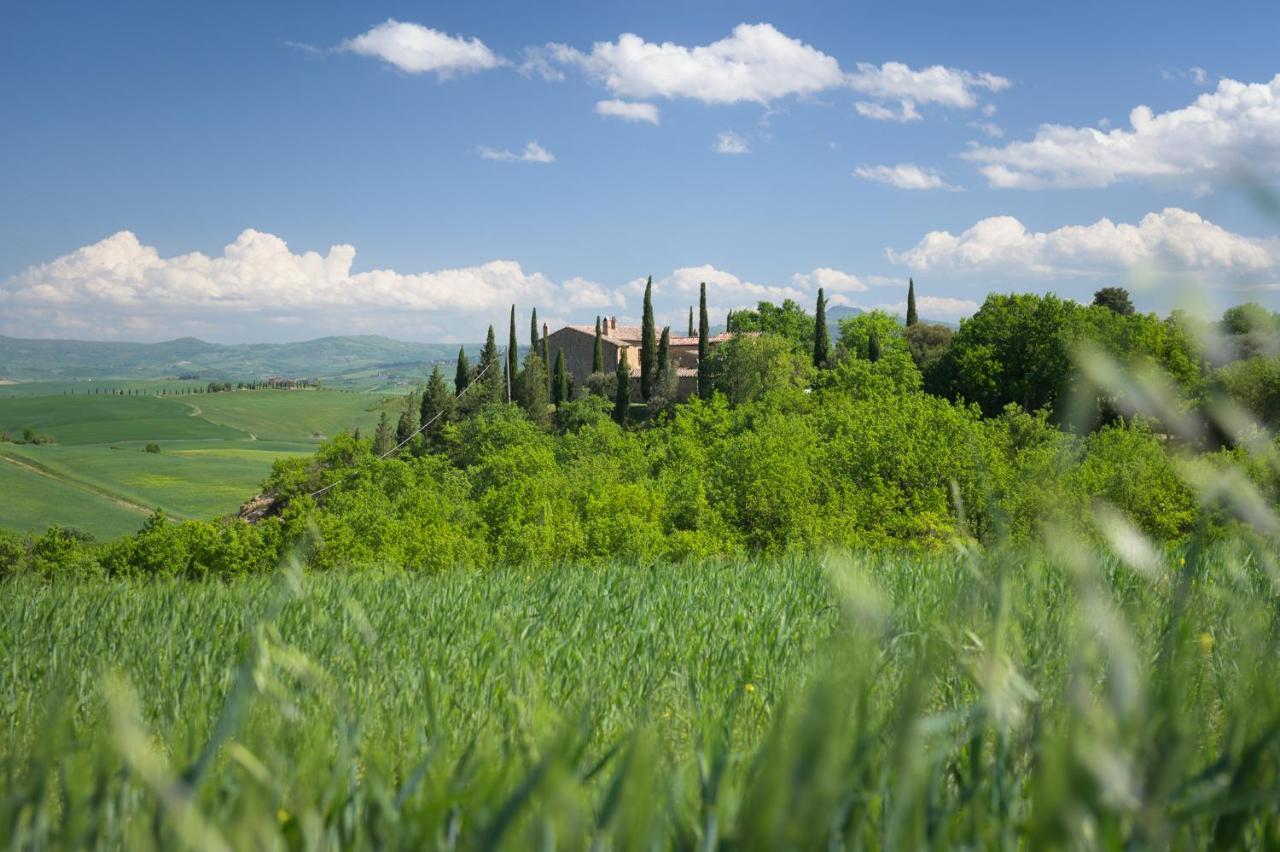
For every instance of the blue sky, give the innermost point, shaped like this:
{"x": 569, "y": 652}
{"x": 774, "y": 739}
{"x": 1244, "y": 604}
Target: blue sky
{"x": 165, "y": 169}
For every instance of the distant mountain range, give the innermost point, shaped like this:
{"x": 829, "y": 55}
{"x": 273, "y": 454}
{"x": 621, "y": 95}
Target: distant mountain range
{"x": 325, "y": 358}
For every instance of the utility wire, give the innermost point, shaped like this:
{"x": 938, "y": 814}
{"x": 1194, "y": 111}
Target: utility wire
{"x": 417, "y": 432}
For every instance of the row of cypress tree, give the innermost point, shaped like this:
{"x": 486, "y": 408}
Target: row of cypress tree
{"x": 535, "y": 387}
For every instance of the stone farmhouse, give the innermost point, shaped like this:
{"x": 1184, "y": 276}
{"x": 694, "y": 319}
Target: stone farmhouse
{"x": 578, "y": 344}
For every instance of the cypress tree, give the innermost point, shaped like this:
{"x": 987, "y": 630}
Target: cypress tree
{"x": 491, "y": 389}
{"x": 622, "y": 397}
{"x": 704, "y": 381}
{"x": 546, "y": 354}
{"x": 690, "y": 334}
{"x": 912, "y": 317}
{"x": 533, "y": 329}
{"x": 512, "y": 347}
{"x": 382, "y": 442}
{"x": 873, "y": 348}
{"x": 462, "y": 377}
{"x": 436, "y": 402}
{"x": 560, "y": 381}
{"x": 533, "y": 388}
{"x": 648, "y": 343}
{"x": 597, "y": 355}
{"x": 664, "y": 350}
{"x": 408, "y": 422}
{"x": 821, "y": 340}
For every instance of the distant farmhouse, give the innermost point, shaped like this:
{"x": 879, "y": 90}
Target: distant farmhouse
{"x": 577, "y": 342}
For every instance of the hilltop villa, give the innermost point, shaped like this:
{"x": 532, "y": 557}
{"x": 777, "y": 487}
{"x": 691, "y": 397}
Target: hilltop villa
{"x": 578, "y": 344}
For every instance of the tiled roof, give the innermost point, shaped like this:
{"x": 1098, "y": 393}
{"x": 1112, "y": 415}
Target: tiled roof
{"x": 686, "y": 372}
{"x": 693, "y": 341}
{"x": 621, "y": 334}
{"x": 632, "y": 334}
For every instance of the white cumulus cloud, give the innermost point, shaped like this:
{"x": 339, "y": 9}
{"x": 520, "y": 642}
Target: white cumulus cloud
{"x": 831, "y": 280}
{"x": 906, "y": 86}
{"x": 1236, "y": 127}
{"x": 906, "y": 111}
{"x": 934, "y": 307}
{"x": 417, "y": 49}
{"x": 729, "y": 142}
{"x": 1173, "y": 238}
{"x": 721, "y": 285}
{"x": 121, "y": 287}
{"x": 532, "y": 153}
{"x": 757, "y": 63}
{"x": 903, "y": 176}
{"x": 628, "y": 110}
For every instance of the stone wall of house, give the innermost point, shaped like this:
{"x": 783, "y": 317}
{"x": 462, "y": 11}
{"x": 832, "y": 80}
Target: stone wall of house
{"x": 579, "y": 351}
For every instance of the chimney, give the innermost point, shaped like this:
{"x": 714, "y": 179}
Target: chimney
{"x": 544, "y": 329}
{"x": 613, "y": 325}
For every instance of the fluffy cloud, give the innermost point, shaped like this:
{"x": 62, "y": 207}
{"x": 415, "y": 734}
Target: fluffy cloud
{"x": 906, "y": 111}
{"x": 949, "y": 87}
{"x": 532, "y": 153}
{"x": 903, "y": 176}
{"x": 729, "y": 142}
{"x": 1173, "y": 238}
{"x": 120, "y": 287}
{"x": 628, "y": 110}
{"x": 757, "y": 63}
{"x": 935, "y": 307}
{"x": 831, "y": 280}
{"x": 1233, "y": 128}
{"x": 721, "y": 285}
{"x": 417, "y": 49}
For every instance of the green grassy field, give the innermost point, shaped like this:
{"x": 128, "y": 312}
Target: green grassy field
{"x": 215, "y": 450}
{"x": 1009, "y": 700}
{"x": 289, "y": 415}
{"x": 32, "y": 502}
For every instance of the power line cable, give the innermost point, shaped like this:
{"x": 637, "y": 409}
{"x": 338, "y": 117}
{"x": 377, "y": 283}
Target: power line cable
{"x": 416, "y": 432}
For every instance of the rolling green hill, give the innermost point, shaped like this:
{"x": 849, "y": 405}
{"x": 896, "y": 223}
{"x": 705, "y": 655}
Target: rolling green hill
{"x": 215, "y": 449}
{"x": 325, "y": 358}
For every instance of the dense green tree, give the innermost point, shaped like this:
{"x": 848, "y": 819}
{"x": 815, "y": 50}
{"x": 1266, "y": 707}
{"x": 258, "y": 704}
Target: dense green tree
{"x": 437, "y": 407}
{"x": 622, "y": 391}
{"x": 928, "y": 342}
{"x": 664, "y": 350}
{"x": 857, "y": 331}
{"x": 560, "y": 381}
{"x": 704, "y": 333}
{"x": 1255, "y": 384}
{"x": 597, "y": 351}
{"x": 534, "y": 396}
{"x": 912, "y": 316}
{"x": 490, "y": 364}
{"x": 462, "y": 377}
{"x": 407, "y": 424}
{"x": 789, "y": 321}
{"x": 749, "y": 366}
{"x": 821, "y": 339}
{"x": 1114, "y": 299}
{"x": 648, "y": 343}
{"x": 873, "y": 347}
{"x": 1251, "y": 330}
{"x": 1020, "y": 348}
{"x": 512, "y": 354}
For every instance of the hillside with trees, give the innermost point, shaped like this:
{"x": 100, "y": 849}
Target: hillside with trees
{"x": 1034, "y": 410}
